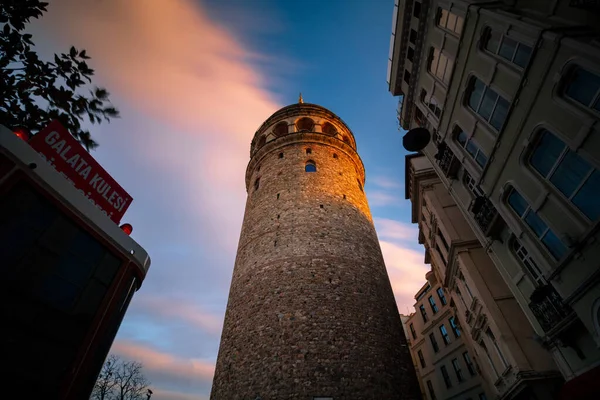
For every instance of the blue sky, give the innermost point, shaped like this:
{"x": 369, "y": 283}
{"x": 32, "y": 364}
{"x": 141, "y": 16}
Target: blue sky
{"x": 193, "y": 81}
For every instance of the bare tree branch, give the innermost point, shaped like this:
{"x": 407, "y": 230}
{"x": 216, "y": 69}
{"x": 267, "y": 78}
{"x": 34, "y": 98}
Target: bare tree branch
{"x": 121, "y": 380}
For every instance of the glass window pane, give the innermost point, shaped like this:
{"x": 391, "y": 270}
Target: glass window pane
{"x": 459, "y": 25}
{"x": 476, "y": 93}
{"x": 441, "y": 66}
{"x": 517, "y": 203}
{"x": 523, "y": 55}
{"x": 58, "y": 292}
{"x": 570, "y": 173}
{"x": 587, "y": 197}
{"x": 507, "y": 48}
{"x": 435, "y": 59}
{"x": 546, "y": 153}
{"x": 448, "y": 71}
{"x": 535, "y": 223}
{"x": 583, "y": 86}
{"x": 481, "y": 159}
{"x": 554, "y": 245}
{"x": 493, "y": 41}
{"x": 461, "y": 137}
{"x": 472, "y": 148}
{"x": 487, "y": 104}
{"x": 500, "y": 113}
{"x": 443, "y": 17}
{"x": 451, "y": 21}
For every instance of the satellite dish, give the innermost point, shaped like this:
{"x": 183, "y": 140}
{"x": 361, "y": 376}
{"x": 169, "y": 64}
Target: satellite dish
{"x": 416, "y": 139}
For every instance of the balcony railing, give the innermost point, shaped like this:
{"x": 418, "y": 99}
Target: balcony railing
{"x": 486, "y": 216}
{"x": 548, "y": 307}
{"x": 447, "y": 161}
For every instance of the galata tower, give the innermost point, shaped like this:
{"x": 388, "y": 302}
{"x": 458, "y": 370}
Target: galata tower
{"x": 311, "y": 313}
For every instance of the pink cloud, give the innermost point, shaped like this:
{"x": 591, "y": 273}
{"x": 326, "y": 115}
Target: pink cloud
{"x": 379, "y": 198}
{"x": 156, "y": 362}
{"x": 407, "y": 273}
{"x": 396, "y": 230}
{"x": 385, "y": 182}
{"x": 168, "y": 309}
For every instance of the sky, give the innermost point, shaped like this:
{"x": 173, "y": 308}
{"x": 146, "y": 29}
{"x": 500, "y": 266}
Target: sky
{"x": 193, "y": 80}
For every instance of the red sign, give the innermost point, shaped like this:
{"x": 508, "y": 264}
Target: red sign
{"x": 67, "y": 156}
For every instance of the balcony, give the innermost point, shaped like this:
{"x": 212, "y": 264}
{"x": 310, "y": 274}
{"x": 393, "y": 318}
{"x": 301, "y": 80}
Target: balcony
{"x": 548, "y": 307}
{"x": 447, "y": 161}
{"x": 486, "y": 216}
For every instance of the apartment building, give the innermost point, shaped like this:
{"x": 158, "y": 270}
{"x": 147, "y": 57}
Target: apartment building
{"x": 507, "y": 96}
{"x": 446, "y": 368}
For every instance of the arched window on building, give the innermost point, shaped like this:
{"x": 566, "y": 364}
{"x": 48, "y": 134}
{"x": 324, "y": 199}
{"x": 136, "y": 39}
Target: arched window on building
{"x": 280, "y": 129}
{"x": 256, "y": 183}
{"x": 305, "y": 124}
{"x": 310, "y": 166}
{"x": 261, "y": 142}
{"x": 328, "y": 129}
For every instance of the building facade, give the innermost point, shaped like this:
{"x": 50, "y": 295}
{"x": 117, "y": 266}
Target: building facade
{"x": 509, "y": 94}
{"x": 311, "y": 313}
{"x": 445, "y": 366}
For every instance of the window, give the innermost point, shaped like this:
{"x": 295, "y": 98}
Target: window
{"x": 507, "y": 48}
{"x": 280, "y": 129}
{"x": 412, "y": 331}
{"x": 457, "y": 370}
{"x": 434, "y": 308}
{"x": 449, "y": 21}
{"x": 423, "y": 312}
{"x": 417, "y": 9}
{"x": 328, "y": 129}
{"x": 470, "y": 366}
{"x": 439, "y": 65}
{"x": 583, "y": 87}
{"x": 434, "y": 343}
{"x": 488, "y": 104}
{"x": 530, "y": 265}
{"x": 256, "y": 183}
{"x": 421, "y": 358}
{"x": 410, "y": 53}
{"x": 360, "y": 186}
{"x": 431, "y": 103}
{"x": 444, "y": 333}
{"x": 406, "y": 76}
{"x": 308, "y": 151}
{"x": 471, "y": 184}
{"x": 443, "y": 240}
{"x": 490, "y": 334}
{"x": 548, "y": 238}
{"x": 441, "y": 295}
{"x": 454, "y": 327}
{"x": 305, "y": 124}
{"x": 310, "y": 166}
{"x": 430, "y": 389}
{"x": 446, "y": 377}
{"x": 472, "y": 148}
{"x": 568, "y": 172}
{"x": 280, "y": 155}
{"x": 413, "y": 36}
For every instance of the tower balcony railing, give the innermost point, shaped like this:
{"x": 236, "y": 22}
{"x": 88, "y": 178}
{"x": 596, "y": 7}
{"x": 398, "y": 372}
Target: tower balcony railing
{"x": 447, "y": 161}
{"x": 548, "y": 307}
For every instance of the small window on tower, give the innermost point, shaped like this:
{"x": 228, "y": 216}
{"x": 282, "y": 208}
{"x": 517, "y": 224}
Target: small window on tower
{"x": 280, "y": 155}
{"x": 256, "y": 183}
{"x": 310, "y": 166}
{"x": 360, "y": 186}
{"x": 308, "y": 151}
{"x": 281, "y": 129}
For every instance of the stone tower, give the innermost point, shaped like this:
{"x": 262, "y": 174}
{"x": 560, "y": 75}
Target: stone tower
{"x": 311, "y": 313}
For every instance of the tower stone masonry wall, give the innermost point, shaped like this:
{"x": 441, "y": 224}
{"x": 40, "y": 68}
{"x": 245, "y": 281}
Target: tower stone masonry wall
{"x": 311, "y": 311}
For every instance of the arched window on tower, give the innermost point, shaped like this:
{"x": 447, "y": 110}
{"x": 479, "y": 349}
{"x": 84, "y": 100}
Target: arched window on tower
{"x": 346, "y": 139}
{"x": 310, "y": 166}
{"x": 305, "y": 124}
{"x": 281, "y": 129}
{"x": 256, "y": 183}
{"x": 328, "y": 129}
{"x": 261, "y": 142}
{"x": 360, "y": 186}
